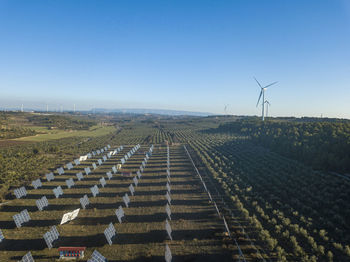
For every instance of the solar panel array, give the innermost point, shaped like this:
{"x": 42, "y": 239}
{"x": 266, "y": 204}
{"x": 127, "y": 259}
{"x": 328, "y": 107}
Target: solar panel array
{"x": 135, "y": 181}
{"x": 37, "y": 183}
{"x": 20, "y": 192}
{"x": 69, "y": 166}
{"x": 132, "y": 189}
{"x": 120, "y": 214}
{"x": 97, "y": 257}
{"x": 110, "y": 233}
{"x": 41, "y": 203}
{"x": 60, "y": 170}
{"x": 126, "y": 200}
{"x": 27, "y": 258}
{"x": 109, "y": 175}
{"x": 168, "y": 197}
{"x": 2, "y": 236}
{"x": 58, "y": 191}
{"x": 70, "y": 216}
{"x": 168, "y": 257}
{"x": 79, "y": 176}
{"x": 168, "y": 187}
{"x": 84, "y": 201}
{"x": 70, "y": 182}
{"x": 21, "y": 218}
{"x": 168, "y": 211}
{"x": 87, "y": 170}
{"x": 168, "y": 228}
{"x": 103, "y": 181}
{"x": 50, "y": 176}
{"x": 94, "y": 190}
{"x": 77, "y": 161}
{"x": 51, "y": 236}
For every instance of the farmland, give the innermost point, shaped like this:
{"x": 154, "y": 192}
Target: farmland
{"x": 277, "y": 208}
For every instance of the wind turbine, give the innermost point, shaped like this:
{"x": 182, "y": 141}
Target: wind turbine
{"x": 225, "y": 108}
{"x": 267, "y": 107}
{"x": 262, "y": 93}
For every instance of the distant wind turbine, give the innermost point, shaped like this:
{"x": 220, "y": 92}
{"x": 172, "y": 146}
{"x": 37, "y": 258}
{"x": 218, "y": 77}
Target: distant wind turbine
{"x": 225, "y": 109}
{"x": 267, "y": 107}
{"x": 262, "y": 93}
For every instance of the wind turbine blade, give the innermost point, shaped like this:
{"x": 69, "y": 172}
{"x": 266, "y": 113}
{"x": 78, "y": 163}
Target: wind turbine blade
{"x": 259, "y": 98}
{"x": 258, "y": 82}
{"x": 270, "y": 84}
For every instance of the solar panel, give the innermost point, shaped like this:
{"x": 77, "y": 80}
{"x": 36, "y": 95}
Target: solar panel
{"x": 168, "y": 197}
{"x": 114, "y": 169}
{"x": 87, "y": 170}
{"x": 126, "y": 200}
{"x": 168, "y": 179}
{"x": 138, "y": 174}
{"x": 79, "y": 176}
{"x": 120, "y": 214}
{"x": 109, "y": 175}
{"x": 123, "y": 161}
{"x": 167, "y": 255}
{"x": 99, "y": 162}
{"x": 168, "y": 187}
{"x": 50, "y": 236}
{"x": 135, "y": 181}
{"x": 93, "y": 153}
{"x": 109, "y": 155}
{"x": 104, "y": 158}
{"x": 20, "y": 192}
{"x": 141, "y": 169}
{"x": 69, "y": 166}
{"x": 110, "y": 233}
{"x": 168, "y": 172}
{"x": 21, "y": 218}
{"x": 70, "y": 182}
{"x": 103, "y": 181}
{"x": 94, "y": 190}
{"x": 168, "y": 211}
{"x": 98, "y": 152}
{"x": 84, "y": 201}
{"x": 83, "y": 158}
{"x": 132, "y": 189}
{"x": 129, "y": 155}
{"x": 41, "y": 203}
{"x": 126, "y": 157}
{"x": 60, "y": 170}
{"x": 97, "y": 257}
{"x": 89, "y": 155}
{"x": 50, "y": 176}
{"x": 102, "y": 150}
{"x": 57, "y": 191}
{"x": 37, "y": 183}
{"x": 108, "y": 146}
{"x": 70, "y": 216}
{"x": 77, "y": 161}
{"x": 168, "y": 228}
{"x": 2, "y": 235}
{"x": 94, "y": 166}
{"x": 27, "y": 258}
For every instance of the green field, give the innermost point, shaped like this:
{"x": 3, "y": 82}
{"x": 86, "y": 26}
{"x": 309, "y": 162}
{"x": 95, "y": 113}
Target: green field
{"x": 58, "y": 134}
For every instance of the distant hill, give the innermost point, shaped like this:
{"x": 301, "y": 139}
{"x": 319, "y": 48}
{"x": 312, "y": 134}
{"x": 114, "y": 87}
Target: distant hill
{"x": 152, "y": 111}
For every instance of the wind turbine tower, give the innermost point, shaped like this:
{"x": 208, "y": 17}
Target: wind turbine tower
{"x": 267, "y": 107}
{"x": 262, "y": 93}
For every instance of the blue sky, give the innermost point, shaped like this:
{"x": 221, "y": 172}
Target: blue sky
{"x": 183, "y": 55}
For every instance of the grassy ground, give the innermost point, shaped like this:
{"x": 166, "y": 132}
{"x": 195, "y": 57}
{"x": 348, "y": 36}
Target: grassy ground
{"x": 198, "y": 233}
{"x": 57, "y": 134}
